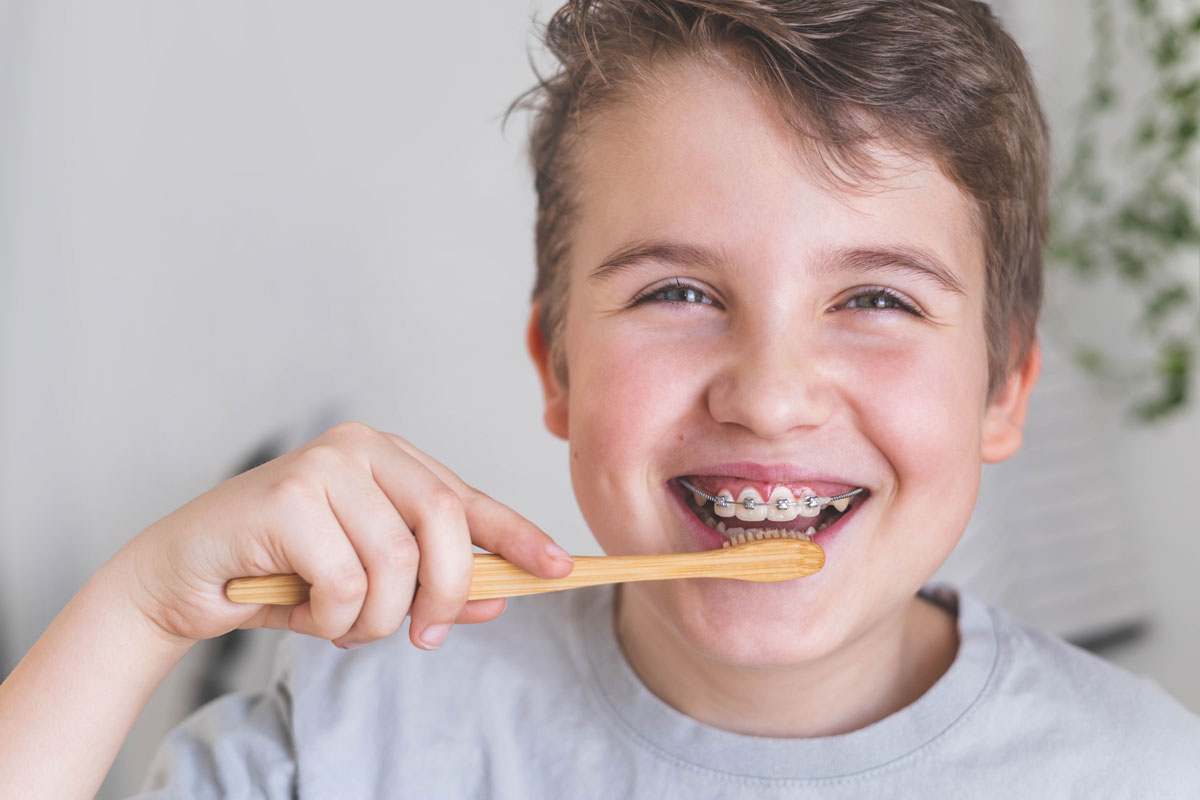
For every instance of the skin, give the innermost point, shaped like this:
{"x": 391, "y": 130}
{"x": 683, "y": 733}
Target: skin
{"x": 773, "y": 365}
{"x": 780, "y": 373}
{"x": 361, "y": 514}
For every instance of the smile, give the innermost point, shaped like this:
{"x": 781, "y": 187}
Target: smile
{"x": 732, "y": 507}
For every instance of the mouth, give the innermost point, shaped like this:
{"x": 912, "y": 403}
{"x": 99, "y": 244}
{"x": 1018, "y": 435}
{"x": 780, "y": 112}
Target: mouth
{"x": 781, "y": 506}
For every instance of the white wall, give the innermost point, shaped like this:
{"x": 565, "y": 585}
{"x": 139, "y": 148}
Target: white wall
{"x": 223, "y": 222}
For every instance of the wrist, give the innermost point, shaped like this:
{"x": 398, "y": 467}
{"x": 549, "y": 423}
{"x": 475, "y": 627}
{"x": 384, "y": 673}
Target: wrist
{"x": 128, "y": 585}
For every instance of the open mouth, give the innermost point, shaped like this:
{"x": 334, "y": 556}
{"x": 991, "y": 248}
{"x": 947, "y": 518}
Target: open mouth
{"x": 740, "y": 507}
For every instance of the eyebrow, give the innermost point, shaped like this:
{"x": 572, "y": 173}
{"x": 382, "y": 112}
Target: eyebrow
{"x": 666, "y": 252}
{"x": 856, "y": 260}
{"x": 896, "y": 258}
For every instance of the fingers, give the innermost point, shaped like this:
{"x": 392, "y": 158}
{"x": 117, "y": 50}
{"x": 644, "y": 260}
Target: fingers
{"x": 481, "y": 611}
{"x": 438, "y": 520}
{"x": 381, "y": 530}
{"x": 388, "y": 552}
{"x": 323, "y": 556}
{"x": 497, "y": 528}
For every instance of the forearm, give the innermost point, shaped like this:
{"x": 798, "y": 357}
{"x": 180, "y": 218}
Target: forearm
{"x": 69, "y": 704}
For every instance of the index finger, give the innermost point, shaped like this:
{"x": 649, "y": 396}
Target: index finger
{"x": 494, "y": 526}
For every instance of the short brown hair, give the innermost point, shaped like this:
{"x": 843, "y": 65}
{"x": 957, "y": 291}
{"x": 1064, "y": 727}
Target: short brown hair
{"x": 937, "y": 78}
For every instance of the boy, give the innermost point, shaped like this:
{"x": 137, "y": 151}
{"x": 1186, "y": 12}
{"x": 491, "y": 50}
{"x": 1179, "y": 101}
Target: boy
{"x": 783, "y": 249}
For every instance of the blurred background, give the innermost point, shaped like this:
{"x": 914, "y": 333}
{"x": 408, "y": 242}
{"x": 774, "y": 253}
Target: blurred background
{"x": 226, "y": 226}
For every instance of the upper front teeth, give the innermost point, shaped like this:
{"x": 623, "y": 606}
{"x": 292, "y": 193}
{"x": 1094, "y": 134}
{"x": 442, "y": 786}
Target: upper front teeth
{"x": 782, "y": 505}
{"x": 750, "y": 506}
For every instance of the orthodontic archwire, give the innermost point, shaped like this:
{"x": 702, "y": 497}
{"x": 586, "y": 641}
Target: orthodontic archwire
{"x": 783, "y": 504}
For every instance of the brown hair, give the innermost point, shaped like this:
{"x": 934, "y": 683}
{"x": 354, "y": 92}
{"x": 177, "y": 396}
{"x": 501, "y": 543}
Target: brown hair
{"x": 937, "y": 78}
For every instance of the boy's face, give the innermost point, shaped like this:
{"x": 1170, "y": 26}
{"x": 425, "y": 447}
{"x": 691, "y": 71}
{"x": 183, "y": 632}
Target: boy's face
{"x": 748, "y": 348}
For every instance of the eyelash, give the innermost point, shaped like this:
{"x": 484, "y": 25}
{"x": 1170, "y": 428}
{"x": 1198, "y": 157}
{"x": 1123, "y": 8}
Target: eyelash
{"x": 902, "y": 303}
{"x": 658, "y": 294}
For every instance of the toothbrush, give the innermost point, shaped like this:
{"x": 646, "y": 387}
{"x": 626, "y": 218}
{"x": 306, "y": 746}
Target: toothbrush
{"x": 766, "y": 555}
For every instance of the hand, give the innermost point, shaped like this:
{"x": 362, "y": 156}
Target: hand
{"x": 361, "y": 515}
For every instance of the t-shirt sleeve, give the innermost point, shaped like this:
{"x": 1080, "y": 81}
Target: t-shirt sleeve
{"x": 239, "y": 745}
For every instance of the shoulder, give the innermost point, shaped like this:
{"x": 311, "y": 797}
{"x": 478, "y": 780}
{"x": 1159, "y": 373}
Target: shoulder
{"x": 1070, "y": 705}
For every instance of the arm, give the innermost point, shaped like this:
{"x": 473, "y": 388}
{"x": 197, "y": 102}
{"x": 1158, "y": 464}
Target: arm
{"x": 380, "y": 530}
{"x": 69, "y": 704}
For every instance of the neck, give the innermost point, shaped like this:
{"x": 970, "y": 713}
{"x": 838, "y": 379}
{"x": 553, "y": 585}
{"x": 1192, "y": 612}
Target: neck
{"x": 869, "y": 678}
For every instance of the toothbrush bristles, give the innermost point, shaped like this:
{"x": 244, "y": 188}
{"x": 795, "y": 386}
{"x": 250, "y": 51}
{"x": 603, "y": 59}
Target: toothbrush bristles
{"x": 757, "y": 536}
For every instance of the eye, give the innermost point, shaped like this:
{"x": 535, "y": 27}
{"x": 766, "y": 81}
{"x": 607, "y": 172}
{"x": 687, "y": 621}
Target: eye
{"x": 676, "y": 292}
{"x": 880, "y": 298}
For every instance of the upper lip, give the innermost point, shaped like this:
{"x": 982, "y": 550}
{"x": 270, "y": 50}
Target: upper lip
{"x": 771, "y": 473}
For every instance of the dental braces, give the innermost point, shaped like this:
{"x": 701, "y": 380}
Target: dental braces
{"x": 783, "y": 504}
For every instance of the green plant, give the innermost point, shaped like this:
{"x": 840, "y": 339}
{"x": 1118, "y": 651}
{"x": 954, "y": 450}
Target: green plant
{"x": 1139, "y": 223}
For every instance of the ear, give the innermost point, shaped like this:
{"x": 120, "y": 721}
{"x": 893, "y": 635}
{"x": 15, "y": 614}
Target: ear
{"x": 553, "y": 392}
{"x": 1004, "y": 419}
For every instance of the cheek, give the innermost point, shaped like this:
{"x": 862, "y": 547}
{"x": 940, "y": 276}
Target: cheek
{"x": 922, "y": 408}
{"x": 625, "y": 398}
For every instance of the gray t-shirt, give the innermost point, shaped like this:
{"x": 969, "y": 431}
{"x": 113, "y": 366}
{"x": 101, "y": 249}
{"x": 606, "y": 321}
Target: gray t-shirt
{"x": 541, "y": 703}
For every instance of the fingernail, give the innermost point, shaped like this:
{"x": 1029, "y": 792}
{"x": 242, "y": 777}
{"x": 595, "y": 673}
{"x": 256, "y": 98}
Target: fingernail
{"x": 434, "y": 635}
{"x": 348, "y": 645}
{"x": 555, "y": 551}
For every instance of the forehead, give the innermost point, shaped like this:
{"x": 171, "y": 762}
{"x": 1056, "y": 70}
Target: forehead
{"x": 702, "y": 156}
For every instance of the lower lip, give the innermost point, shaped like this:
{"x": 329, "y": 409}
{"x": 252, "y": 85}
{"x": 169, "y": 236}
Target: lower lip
{"x": 710, "y": 539}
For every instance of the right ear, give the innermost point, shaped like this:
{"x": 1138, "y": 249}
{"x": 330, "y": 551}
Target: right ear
{"x": 553, "y": 392}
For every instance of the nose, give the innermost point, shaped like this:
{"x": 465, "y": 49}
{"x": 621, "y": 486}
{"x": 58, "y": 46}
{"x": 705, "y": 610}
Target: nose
{"x": 769, "y": 385}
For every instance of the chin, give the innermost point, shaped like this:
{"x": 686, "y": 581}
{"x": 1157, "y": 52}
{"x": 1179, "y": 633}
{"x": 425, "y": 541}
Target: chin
{"x": 751, "y": 625}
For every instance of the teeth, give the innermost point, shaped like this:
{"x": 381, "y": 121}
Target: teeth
{"x": 720, "y": 527}
{"x": 734, "y": 531}
{"x": 811, "y": 532}
{"x": 777, "y": 514}
{"x": 712, "y": 522}
{"x": 729, "y": 509}
{"x": 700, "y": 499}
{"x": 841, "y": 505}
{"x": 805, "y": 509}
{"x": 750, "y": 496}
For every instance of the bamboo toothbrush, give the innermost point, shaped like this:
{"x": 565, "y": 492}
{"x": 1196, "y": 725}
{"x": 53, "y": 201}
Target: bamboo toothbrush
{"x": 769, "y": 555}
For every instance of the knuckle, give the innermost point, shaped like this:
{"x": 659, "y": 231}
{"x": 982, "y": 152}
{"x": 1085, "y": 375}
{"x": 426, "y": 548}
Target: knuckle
{"x": 323, "y": 459}
{"x": 448, "y": 591}
{"x": 399, "y": 441}
{"x": 376, "y": 628}
{"x": 347, "y": 586}
{"x": 401, "y": 553}
{"x": 352, "y": 432}
{"x": 442, "y": 503}
{"x": 291, "y": 492}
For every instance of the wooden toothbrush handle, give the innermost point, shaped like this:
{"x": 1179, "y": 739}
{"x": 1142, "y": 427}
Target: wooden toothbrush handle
{"x": 771, "y": 560}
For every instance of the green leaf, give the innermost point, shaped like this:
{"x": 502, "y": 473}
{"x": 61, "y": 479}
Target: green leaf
{"x": 1164, "y": 301}
{"x": 1169, "y": 48}
{"x": 1174, "y": 375}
